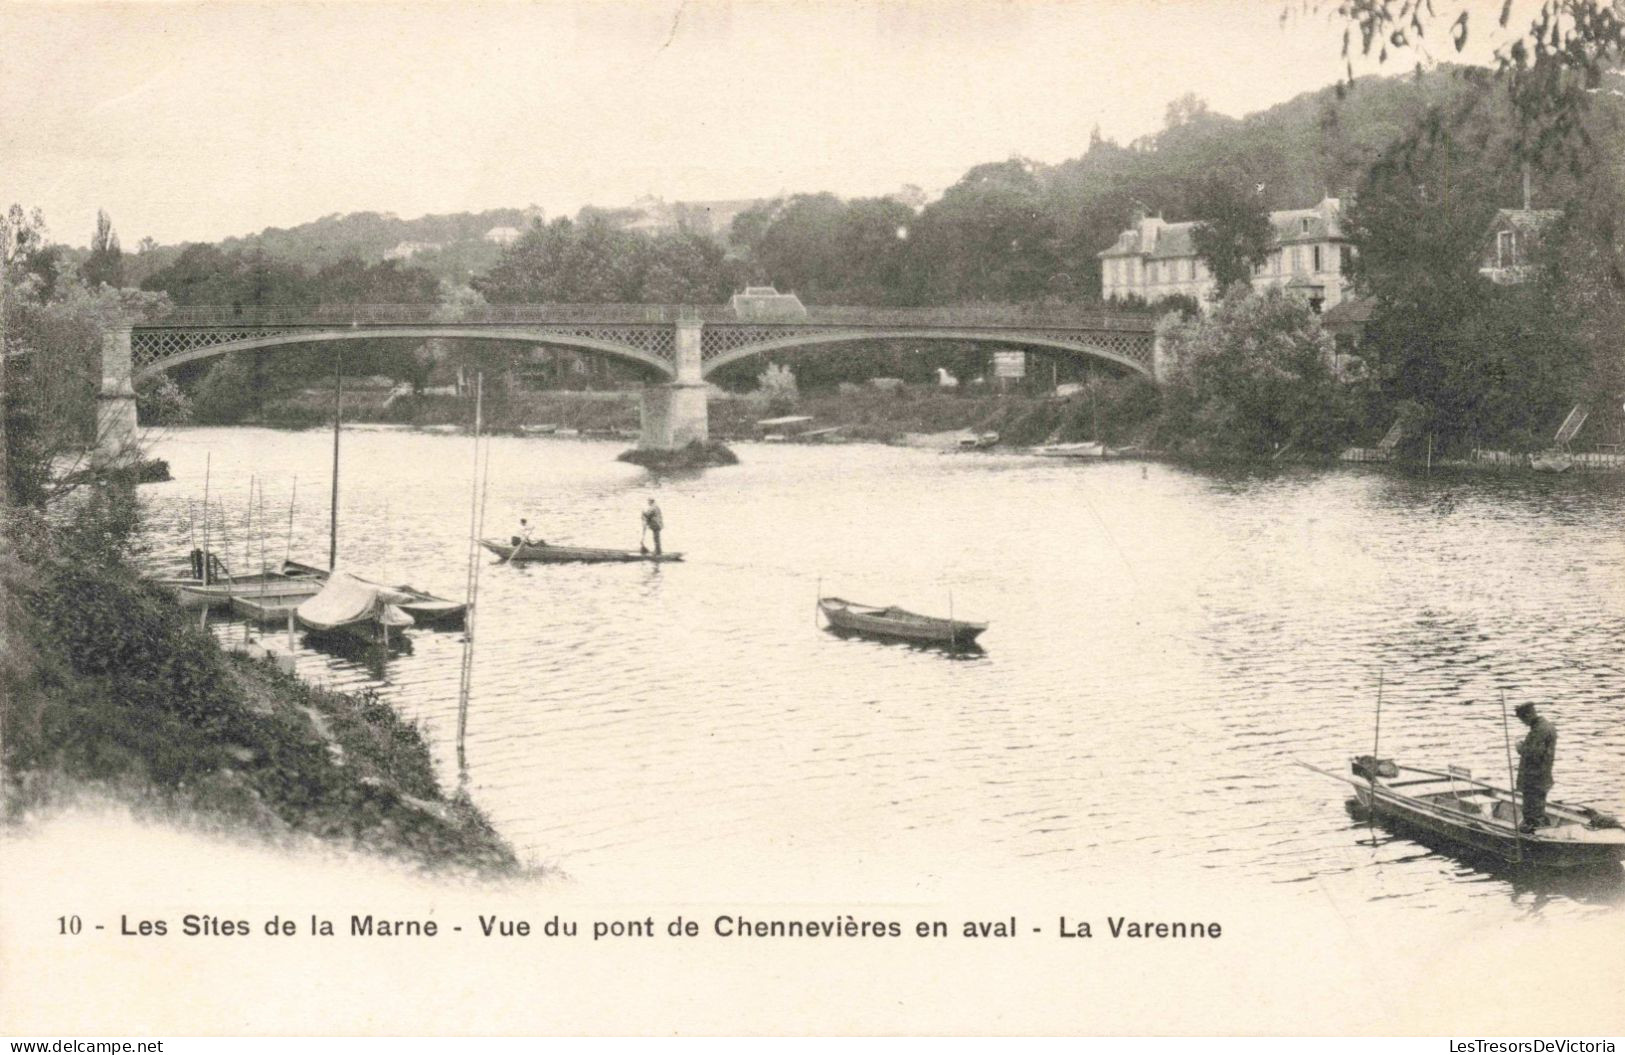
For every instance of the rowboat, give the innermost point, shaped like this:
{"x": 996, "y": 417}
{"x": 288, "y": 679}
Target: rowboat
{"x": 1551, "y": 461}
{"x": 891, "y": 621}
{"x": 547, "y": 553}
{"x": 194, "y": 592}
{"x": 1453, "y": 806}
{"x": 1071, "y": 450}
{"x": 425, "y": 608}
{"x": 354, "y": 606}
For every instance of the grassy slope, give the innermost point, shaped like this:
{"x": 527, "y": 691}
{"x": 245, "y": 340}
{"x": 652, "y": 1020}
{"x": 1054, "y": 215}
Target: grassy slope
{"x": 109, "y": 685}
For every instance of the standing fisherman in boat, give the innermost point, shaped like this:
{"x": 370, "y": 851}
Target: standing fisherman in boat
{"x": 1536, "y": 753}
{"x": 653, "y": 522}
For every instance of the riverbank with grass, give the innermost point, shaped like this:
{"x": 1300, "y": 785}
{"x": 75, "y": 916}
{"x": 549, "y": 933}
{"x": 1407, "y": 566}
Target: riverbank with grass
{"x": 1119, "y": 413}
{"x": 111, "y": 690}
{"x": 1122, "y": 413}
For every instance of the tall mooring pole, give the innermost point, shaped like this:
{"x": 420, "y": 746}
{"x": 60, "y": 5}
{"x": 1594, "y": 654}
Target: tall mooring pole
{"x": 338, "y": 409}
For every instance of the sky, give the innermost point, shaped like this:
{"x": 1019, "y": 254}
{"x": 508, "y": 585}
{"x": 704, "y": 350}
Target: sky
{"x": 200, "y": 121}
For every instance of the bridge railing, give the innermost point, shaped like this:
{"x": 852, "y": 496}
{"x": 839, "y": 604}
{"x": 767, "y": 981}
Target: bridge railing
{"x": 977, "y": 315}
{"x": 331, "y": 315}
{"x": 415, "y": 315}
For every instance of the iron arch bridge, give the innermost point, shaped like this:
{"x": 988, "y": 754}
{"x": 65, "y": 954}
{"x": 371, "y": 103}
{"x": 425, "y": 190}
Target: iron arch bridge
{"x": 644, "y": 334}
{"x": 680, "y": 345}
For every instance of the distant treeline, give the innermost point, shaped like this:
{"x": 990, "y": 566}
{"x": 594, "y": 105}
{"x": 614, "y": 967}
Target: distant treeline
{"x": 1422, "y": 162}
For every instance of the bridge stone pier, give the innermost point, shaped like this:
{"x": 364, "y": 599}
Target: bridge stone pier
{"x": 675, "y": 415}
{"x": 678, "y": 347}
{"x": 117, "y": 432}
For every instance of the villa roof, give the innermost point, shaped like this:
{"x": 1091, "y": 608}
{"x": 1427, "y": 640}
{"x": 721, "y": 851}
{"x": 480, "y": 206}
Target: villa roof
{"x": 1531, "y": 221}
{"x": 1156, "y": 239}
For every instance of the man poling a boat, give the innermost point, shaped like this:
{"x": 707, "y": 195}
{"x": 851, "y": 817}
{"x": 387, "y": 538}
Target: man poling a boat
{"x": 1536, "y": 754}
{"x": 652, "y": 523}
{"x": 524, "y": 537}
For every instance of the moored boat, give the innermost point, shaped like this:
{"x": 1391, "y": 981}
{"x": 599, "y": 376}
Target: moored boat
{"x": 1551, "y": 461}
{"x": 221, "y": 586}
{"x": 1071, "y": 450}
{"x": 548, "y": 553}
{"x": 894, "y": 622}
{"x": 425, "y": 608}
{"x": 1453, "y": 806}
{"x": 354, "y": 606}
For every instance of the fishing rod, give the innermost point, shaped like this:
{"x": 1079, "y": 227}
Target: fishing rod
{"x": 287, "y": 554}
{"x": 480, "y": 490}
{"x": 1376, "y": 740}
{"x": 204, "y": 571}
{"x": 1512, "y": 787}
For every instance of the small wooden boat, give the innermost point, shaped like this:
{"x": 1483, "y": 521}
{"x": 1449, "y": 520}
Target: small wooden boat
{"x": 194, "y": 593}
{"x": 354, "y": 606}
{"x": 978, "y": 441}
{"x": 1453, "y": 806}
{"x": 424, "y": 607}
{"x": 891, "y": 621}
{"x": 1551, "y": 461}
{"x": 1071, "y": 450}
{"x": 548, "y": 553}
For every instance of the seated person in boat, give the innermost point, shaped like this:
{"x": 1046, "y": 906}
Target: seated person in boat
{"x": 1536, "y": 753}
{"x": 524, "y": 537}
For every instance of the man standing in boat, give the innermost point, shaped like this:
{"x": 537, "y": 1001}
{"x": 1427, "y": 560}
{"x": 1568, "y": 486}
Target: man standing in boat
{"x": 653, "y": 522}
{"x": 1536, "y": 753}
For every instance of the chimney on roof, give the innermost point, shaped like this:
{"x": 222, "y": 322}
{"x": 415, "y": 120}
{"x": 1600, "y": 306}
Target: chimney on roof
{"x": 1526, "y": 194}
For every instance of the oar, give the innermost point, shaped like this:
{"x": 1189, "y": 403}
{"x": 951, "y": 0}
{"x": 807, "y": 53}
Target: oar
{"x": 1329, "y": 773}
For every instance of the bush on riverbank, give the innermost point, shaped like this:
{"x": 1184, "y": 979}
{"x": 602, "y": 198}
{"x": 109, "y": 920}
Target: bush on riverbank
{"x": 1116, "y": 411}
{"x": 108, "y": 683}
{"x": 503, "y": 411}
{"x": 1253, "y": 379}
{"x": 698, "y": 454}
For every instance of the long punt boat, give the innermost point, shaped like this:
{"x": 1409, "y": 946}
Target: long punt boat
{"x": 891, "y": 621}
{"x": 548, "y": 553}
{"x": 1452, "y": 805}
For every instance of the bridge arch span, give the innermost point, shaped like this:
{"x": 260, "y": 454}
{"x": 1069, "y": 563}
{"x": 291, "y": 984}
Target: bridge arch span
{"x": 155, "y": 362}
{"x": 1081, "y": 348}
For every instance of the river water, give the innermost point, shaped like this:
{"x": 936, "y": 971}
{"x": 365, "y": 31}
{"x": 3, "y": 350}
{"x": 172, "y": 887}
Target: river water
{"x": 1164, "y": 643}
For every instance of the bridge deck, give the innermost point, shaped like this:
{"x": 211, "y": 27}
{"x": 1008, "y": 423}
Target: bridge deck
{"x": 326, "y": 316}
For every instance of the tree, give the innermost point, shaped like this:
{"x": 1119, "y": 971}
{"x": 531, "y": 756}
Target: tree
{"x": 989, "y": 237}
{"x": 565, "y": 262}
{"x": 1481, "y": 363}
{"x": 1234, "y": 234}
{"x": 682, "y": 267}
{"x": 1570, "y": 52}
{"x": 105, "y": 265}
{"x": 52, "y": 347}
{"x": 1253, "y": 378}
{"x": 1181, "y": 111}
{"x": 797, "y": 250}
{"x": 1583, "y": 258}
